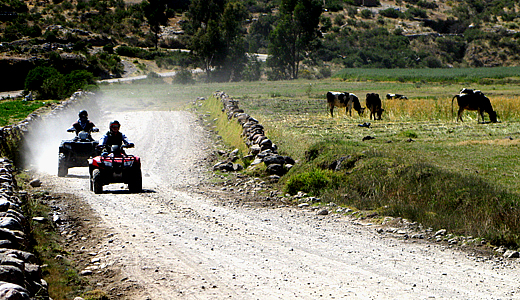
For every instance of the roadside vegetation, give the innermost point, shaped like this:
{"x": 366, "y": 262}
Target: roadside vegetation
{"x": 47, "y": 244}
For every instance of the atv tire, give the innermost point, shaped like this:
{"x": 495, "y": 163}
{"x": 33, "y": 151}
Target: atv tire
{"x": 136, "y": 185}
{"x": 97, "y": 182}
{"x": 91, "y": 182}
{"x": 62, "y": 166}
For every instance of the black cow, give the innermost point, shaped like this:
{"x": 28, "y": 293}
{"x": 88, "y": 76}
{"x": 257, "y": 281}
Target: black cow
{"x": 396, "y": 96}
{"x": 373, "y": 103}
{"x": 475, "y": 100}
{"x": 347, "y": 100}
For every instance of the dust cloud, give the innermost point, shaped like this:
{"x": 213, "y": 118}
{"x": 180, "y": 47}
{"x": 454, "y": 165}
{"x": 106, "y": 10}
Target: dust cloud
{"x": 40, "y": 148}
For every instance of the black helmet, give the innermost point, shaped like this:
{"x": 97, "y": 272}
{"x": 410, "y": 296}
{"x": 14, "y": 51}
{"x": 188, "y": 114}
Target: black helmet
{"x": 83, "y": 113}
{"x": 115, "y": 122}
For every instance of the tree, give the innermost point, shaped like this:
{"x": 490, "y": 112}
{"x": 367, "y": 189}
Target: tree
{"x": 294, "y": 34}
{"x": 155, "y": 14}
{"x": 217, "y": 40}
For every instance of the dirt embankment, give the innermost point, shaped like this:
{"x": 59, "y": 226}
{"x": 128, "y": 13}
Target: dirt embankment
{"x": 186, "y": 238}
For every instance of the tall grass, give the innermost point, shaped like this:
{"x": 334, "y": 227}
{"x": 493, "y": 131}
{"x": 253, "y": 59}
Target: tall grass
{"x": 228, "y": 129}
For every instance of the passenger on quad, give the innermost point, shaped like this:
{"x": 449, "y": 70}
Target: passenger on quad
{"x": 83, "y": 124}
{"x": 114, "y": 138}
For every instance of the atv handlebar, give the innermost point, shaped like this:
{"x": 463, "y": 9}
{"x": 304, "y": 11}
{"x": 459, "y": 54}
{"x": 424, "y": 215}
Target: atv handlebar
{"x": 72, "y": 129}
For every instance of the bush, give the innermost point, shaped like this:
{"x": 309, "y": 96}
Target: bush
{"x": 366, "y": 14}
{"x": 313, "y": 182}
{"x": 391, "y": 13}
{"x": 48, "y": 83}
{"x": 184, "y": 76}
{"x": 252, "y": 70}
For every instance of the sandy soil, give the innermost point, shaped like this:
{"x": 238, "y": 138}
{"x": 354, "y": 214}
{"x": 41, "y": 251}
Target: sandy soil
{"x": 183, "y": 239}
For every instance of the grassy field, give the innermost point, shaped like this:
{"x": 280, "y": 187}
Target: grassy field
{"x": 495, "y": 75}
{"x": 420, "y": 164}
{"x": 12, "y": 111}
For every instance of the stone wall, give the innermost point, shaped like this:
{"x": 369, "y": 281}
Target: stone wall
{"x": 261, "y": 148}
{"x": 20, "y": 274}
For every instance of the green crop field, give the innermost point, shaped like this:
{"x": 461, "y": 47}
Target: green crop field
{"x": 12, "y": 111}
{"x": 420, "y": 164}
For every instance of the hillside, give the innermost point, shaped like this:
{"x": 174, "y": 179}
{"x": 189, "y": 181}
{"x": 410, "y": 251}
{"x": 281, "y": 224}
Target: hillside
{"x": 80, "y": 34}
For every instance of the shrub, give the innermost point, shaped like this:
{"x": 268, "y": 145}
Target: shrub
{"x": 391, "y": 13}
{"x": 48, "y": 83}
{"x": 313, "y": 182}
{"x": 366, "y": 14}
{"x": 184, "y": 76}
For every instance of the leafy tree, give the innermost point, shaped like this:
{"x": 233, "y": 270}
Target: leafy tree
{"x": 217, "y": 40}
{"x": 48, "y": 83}
{"x": 294, "y": 35}
{"x": 155, "y": 14}
{"x": 35, "y": 77}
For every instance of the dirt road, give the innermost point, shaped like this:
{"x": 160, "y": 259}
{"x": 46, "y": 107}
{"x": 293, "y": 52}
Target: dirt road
{"x": 175, "y": 241}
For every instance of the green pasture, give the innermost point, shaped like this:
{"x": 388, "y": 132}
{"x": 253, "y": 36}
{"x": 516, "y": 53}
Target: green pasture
{"x": 12, "y": 111}
{"x": 496, "y": 75}
{"x": 418, "y": 163}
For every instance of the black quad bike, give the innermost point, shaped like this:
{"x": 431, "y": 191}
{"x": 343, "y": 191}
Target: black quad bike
{"x": 115, "y": 166}
{"x": 76, "y": 152}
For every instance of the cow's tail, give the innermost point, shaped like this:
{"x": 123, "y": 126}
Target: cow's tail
{"x": 456, "y": 96}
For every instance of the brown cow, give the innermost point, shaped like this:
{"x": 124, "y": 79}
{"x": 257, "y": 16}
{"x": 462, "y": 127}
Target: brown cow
{"x": 373, "y": 103}
{"x": 474, "y": 100}
{"x": 347, "y": 100}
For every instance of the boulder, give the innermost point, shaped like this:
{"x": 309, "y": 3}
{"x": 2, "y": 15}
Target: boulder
{"x": 276, "y": 169}
{"x": 10, "y": 291}
{"x": 273, "y": 159}
{"x": 12, "y": 274}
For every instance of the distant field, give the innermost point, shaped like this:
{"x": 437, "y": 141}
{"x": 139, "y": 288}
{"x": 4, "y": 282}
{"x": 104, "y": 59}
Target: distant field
{"x": 501, "y": 75}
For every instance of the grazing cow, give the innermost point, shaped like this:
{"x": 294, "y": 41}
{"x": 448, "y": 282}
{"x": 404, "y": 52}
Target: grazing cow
{"x": 374, "y": 105}
{"x": 347, "y": 100}
{"x": 475, "y": 100}
{"x": 396, "y": 96}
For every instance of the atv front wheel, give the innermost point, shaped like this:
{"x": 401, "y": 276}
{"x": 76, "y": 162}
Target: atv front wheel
{"x": 136, "y": 185}
{"x": 62, "y": 166}
{"x": 97, "y": 182}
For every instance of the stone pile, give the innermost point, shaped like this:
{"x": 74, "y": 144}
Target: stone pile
{"x": 20, "y": 274}
{"x": 261, "y": 148}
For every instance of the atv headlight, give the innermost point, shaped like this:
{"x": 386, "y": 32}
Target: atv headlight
{"x": 108, "y": 163}
{"x": 68, "y": 146}
{"x": 128, "y": 163}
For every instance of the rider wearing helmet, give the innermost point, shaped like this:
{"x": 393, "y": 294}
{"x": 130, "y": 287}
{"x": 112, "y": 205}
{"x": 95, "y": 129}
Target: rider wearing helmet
{"x": 83, "y": 124}
{"x": 114, "y": 137}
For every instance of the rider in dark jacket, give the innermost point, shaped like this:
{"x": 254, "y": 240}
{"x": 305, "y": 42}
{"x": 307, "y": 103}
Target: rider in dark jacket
{"x": 114, "y": 137}
{"x": 83, "y": 124}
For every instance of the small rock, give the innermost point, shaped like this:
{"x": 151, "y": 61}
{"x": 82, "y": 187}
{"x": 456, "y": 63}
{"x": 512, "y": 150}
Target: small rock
{"x": 35, "y": 183}
{"x": 441, "y": 232}
{"x": 323, "y": 212}
{"x": 85, "y": 273}
{"x": 511, "y": 254}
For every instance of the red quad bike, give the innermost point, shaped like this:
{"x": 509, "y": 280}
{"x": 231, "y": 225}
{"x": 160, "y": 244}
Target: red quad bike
{"x": 115, "y": 167}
